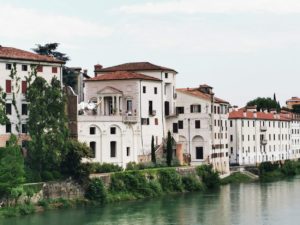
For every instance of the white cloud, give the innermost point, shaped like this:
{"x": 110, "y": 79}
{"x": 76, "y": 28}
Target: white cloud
{"x": 213, "y": 6}
{"x": 27, "y": 24}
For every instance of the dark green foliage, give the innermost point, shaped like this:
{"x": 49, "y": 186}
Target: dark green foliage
{"x": 169, "y": 149}
{"x": 236, "y": 178}
{"x": 50, "y": 50}
{"x": 265, "y": 167}
{"x": 209, "y": 177}
{"x": 26, "y": 209}
{"x": 191, "y": 183}
{"x": 265, "y": 104}
{"x": 105, "y": 168}
{"x": 170, "y": 180}
{"x": 153, "y": 157}
{"x": 71, "y": 165}
{"x": 296, "y": 108}
{"x": 47, "y": 176}
{"x": 289, "y": 168}
{"x": 3, "y": 118}
{"x": 12, "y": 173}
{"x": 46, "y": 125}
{"x": 96, "y": 191}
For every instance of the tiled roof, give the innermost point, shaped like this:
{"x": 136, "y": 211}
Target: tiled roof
{"x": 293, "y": 99}
{"x": 14, "y": 53}
{"x": 122, "y": 75}
{"x": 197, "y": 93}
{"x": 242, "y": 114}
{"x": 135, "y": 66}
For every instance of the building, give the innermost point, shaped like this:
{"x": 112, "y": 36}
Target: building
{"x": 256, "y": 137}
{"x": 292, "y": 102}
{"x": 129, "y": 103}
{"x": 23, "y": 62}
{"x": 200, "y": 127}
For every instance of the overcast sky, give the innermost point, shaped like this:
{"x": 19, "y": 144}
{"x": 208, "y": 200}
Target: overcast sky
{"x": 243, "y": 48}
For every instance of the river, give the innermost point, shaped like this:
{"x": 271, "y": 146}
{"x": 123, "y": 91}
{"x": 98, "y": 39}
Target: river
{"x": 248, "y": 204}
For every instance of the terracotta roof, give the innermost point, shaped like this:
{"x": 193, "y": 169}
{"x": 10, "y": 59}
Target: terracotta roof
{"x": 122, "y": 75}
{"x": 239, "y": 114}
{"x": 14, "y": 53}
{"x": 135, "y": 66}
{"x": 197, "y": 93}
{"x": 293, "y": 99}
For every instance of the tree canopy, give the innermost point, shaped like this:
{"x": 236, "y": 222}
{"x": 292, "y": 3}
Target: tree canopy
{"x": 50, "y": 50}
{"x": 265, "y": 104}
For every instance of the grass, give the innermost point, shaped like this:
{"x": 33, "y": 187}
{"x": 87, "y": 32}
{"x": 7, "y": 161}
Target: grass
{"x": 236, "y": 178}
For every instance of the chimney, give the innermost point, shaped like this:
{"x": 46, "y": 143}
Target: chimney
{"x": 85, "y": 71}
{"x": 97, "y": 67}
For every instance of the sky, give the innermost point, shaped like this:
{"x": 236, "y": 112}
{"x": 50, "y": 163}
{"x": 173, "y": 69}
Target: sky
{"x": 243, "y": 48}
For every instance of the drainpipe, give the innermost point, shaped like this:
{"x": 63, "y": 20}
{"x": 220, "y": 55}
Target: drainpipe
{"x": 189, "y": 136}
{"x": 141, "y": 117}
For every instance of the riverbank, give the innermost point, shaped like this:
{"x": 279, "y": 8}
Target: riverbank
{"x": 125, "y": 186}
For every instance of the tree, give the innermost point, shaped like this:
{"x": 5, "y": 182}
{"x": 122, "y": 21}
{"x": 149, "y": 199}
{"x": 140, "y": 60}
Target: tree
{"x": 296, "y": 108}
{"x": 3, "y": 117}
{"x": 11, "y": 168}
{"x": 265, "y": 104}
{"x": 153, "y": 157}
{"x": 46, "y": 125}
{"x": 169, "y": 149}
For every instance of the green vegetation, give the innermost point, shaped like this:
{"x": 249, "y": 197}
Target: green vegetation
{"x": 169, "y": 149}
{"x": 104, "y": 168}
{"x": 265, "y": 104}
{"x": 236, "y": 178}
{"x": 210, "y": 178}
{"x": 153, "y": 157}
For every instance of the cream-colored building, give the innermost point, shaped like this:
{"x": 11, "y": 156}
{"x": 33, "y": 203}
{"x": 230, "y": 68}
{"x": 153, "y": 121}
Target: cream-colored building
{"x": 23, "y": 61}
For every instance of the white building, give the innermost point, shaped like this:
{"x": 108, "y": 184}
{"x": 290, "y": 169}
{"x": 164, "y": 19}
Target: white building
{"x": 133, "y": 102}
{"x": 256, "y": 137}
{"x": 23, "y": 61}
{"x": 200, "y": 129}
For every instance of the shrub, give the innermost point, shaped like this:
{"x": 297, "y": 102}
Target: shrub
{"x": 26, "y": 209}
{"x": 96, "y": 191}
{"x": 47, "y": 176}
{"x": 132, "y": 166}
{"x": 105, "y": 168}
{"x": 43, "y": 203}
{"x": 175, "y": 162}
{"x": 289, "y": 168}
{"x": 265, "y": 167}
{"x": 191, "y": 183}
{"x": 170, "y": 180}
{"x": 209, "y": 177}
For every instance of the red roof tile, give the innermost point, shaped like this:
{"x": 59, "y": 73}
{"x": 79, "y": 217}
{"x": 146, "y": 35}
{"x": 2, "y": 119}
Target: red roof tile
{"x": 135, "y": 66}
{"x": 122, "y": 75}
{"x": 14, "y": 53}
{"x": 239, "y": 114}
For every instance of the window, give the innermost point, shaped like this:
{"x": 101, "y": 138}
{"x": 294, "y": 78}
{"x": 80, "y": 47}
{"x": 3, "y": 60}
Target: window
{"x": 39, "y": 68}
{"x": 8, "y": 86}
{"x": 128, "y": 151}
{"x": 180, "y": 124}
{"x": 129, "y": 107}
{"x": 150, "y": 107}
{"x": 8, "y": 108}
{"x": 24, "y": 67}
{"x": 231, "y": 150}
{"x": 175, "y": 128}
{"x": 24, "y": 128}
{"x": 195, "y": 108}
{"x": 156, "y": 121}
{"x": 199, "y": 152}
{"x": 145, "y": 121}
{"x": 92, "y": 130}
{"x": 166, "y": 75}
{"x": 113, "y": 149}
{"x": 8, "y": 66}
{"x": 112, "y": 130}
{"x": 54, "y": 69}
{"x": 179, "y": 110}
{"x": 197, "y": 124}
{"x": 8, "y": 128}
{"x": 24, "y": 86}
{"x": 155, "y": 90}
{"x": 144, "y": 89}
{"x": 93, "y": 148}
{"x": 231, "y": 138}
{"x": 24, "y": 109}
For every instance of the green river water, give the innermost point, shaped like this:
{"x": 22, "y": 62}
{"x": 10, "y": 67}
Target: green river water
{"x": 250, "y": 204}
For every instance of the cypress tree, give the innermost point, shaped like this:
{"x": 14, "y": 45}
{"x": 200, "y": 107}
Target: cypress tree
{"x": 169, "y": 149}
{"x": 153, "y": 157}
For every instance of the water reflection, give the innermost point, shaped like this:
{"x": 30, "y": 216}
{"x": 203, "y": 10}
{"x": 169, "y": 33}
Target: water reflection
{"x": 272, "y": 203}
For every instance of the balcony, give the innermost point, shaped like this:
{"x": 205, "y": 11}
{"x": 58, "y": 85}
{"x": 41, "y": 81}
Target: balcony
{"x": 263, "y": 128}
{"x": 130, "y": 119}
{"x": 264, "y": 141}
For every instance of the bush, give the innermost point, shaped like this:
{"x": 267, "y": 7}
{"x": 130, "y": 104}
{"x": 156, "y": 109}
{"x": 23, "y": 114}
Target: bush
{"x": 26, "y": 209}
{"x": 47, "y": 176}
{"x": 209, "y": 177}
{"x": 96, "y": 191}
{"x": 170, "y": 180}
{"x": 289, "y": 168}
{"x": 191, "y": 183}
{"x": 105, "y": 168}
{"x": 132, "y": 166}
{"x": 265, "y": 167}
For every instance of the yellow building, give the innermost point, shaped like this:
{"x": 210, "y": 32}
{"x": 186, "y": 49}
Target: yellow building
{"x": 293, "y": 101}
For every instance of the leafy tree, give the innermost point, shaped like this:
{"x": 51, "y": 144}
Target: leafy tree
{"x": 3, "y": 118}
{"x": 46, "y": 125}
{"x": 11, "y": 168}
{"x": 153, "y": 157}
{"x": 296, "y": 108}
{"x": 169, "y": 149}
{"x": 50, "y": 50}
{"x": 265, "y": 104}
